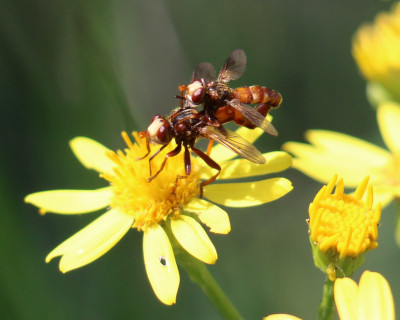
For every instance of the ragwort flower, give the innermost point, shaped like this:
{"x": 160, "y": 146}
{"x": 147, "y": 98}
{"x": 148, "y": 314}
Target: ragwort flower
{"x": 166, "y": 203}
{"x": 342, "y": 228}
{"x": 376, "y": 48}
{"x": 372, "y": 299}
{"x": 352, "y": 158}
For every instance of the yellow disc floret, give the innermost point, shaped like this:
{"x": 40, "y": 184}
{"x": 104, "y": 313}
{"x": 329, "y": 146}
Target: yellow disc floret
{"x": 150, "y": 202}
{"x": 344, "y": 222}
{"x": 342, "y": 227}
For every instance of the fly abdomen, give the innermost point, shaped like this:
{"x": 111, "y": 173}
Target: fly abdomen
{"x": 228, "y": 113}
{"x": 258, "y": 94}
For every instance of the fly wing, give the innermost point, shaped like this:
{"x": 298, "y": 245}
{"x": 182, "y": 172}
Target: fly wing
{"x": 234, "y": 66}
{"x": 204, "y": 70}
{"x": 254, "y": 116}
{"x": 234, "y": 142}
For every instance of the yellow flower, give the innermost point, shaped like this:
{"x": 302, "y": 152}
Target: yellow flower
{"x": 376, "y": 49}
{"x": 352, "y": 158}
{"x": 371, "y": 300}
{"x": 342, "y": 228}
{"x": 166, "y": 203}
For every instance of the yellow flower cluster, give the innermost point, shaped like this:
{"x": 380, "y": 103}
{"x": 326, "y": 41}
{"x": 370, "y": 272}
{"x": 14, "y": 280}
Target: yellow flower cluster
{"x": 169, "y": 212}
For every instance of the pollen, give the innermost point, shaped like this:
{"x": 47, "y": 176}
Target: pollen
{"x": 343, "y": 223}
{"x": 150, "y": 202}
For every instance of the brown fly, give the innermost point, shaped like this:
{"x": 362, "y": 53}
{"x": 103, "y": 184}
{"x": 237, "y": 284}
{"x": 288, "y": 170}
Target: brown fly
{"x": 186, "y": 125}
{"x": 222, "y": 103}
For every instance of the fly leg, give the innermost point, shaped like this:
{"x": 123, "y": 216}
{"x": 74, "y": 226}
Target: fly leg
{"x": 181, "y": 97}
{"x": 188, "y": 165}
{"x": 188, "y": 168}
{"x": 209, "y": 147}
{"x": 154, "y": 155}
{"x": 145, "y": 134}
{"x": 168, "y": 155}
{"x": 211, "y": 163}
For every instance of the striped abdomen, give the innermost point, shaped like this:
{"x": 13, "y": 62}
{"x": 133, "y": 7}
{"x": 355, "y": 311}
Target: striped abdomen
{"x": 258, "y": 94}
{"x": 228, "y": 113}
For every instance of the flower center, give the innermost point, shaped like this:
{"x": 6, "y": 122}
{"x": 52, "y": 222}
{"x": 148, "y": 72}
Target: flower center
{"x": 150, "y": 202}
{"x": 344, "y": 223}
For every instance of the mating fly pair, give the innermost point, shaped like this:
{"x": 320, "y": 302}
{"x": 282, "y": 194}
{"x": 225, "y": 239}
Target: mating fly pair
{"x": 220, "y": 104}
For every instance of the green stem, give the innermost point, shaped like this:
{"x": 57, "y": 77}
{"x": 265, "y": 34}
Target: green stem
{"x": 397, "y": 234}
{"x": 200, "y": 274}
{"x": 325, "y": 310}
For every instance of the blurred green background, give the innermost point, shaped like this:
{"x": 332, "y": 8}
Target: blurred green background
{"x": 95, "y": 68}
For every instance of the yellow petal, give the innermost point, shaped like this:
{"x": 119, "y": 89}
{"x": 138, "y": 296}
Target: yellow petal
{"x": 396, "y": 191}
{"x": 322, "y": 168}
{"x": 247, "y": 194}
{"x": 389, "y": 124}
{"x": 240, "y": 168}
{"x": 281, "y": 317}
{"x": 338, "y": 146}
{"x": 346, "y": 298}
{"x": 211, "y": 215}
{"x": 192, "y": 237}
{"x": 347, "y": 146}
{"x": 160, "y": 264}
{"x": 385, "y": 195}
{"x": 92, "y": 154}
{"x": 220, "y": 153}
{"x": 376, "y": 300}
{"x": 70, "y": 201}
{"x": 322, "y": 161}
{"x": 93, "y": 241}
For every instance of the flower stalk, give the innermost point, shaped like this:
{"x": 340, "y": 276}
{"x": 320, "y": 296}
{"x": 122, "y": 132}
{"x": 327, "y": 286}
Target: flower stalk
{"x": 397, "y": 234}
{"x": 325, "y": 310}
{"x": 200, "y": 274}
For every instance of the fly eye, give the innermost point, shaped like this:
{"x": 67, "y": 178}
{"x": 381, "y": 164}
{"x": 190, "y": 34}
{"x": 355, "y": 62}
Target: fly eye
{"x": 160, "y": 130}
{"x": 164, "y": 133}
{"x": 157, "y": 116}
{"x": 198, "y": 95}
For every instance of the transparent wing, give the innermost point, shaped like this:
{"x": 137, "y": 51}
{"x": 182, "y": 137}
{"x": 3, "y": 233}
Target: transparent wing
{"x": 204, "y": 70}
{"x": 234, "y": 142}
{"x": 254, "y": 116}
{"x": 234, "y": 66}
